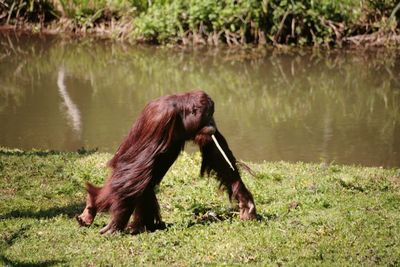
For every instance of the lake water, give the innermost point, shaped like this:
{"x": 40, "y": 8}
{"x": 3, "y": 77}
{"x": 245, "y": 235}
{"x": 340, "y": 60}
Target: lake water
{"x": 315, "y": 106}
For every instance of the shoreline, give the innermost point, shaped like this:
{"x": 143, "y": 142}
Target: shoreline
{"x": 298, "y": 24}
{"x": 362, "y": 41}
{"x": 7, "y": 151}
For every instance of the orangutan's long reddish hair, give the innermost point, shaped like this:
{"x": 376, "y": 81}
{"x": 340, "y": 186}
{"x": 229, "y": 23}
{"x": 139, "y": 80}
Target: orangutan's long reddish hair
{"x": 152, "y": 145}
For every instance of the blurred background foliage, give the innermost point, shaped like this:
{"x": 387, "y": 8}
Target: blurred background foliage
{"x": 300, "y": 22}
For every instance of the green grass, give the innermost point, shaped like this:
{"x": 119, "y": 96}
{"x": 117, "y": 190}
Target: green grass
{"x": 309, "y": 214}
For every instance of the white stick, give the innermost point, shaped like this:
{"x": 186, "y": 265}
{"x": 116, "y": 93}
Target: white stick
{"x": 222, "y": 151}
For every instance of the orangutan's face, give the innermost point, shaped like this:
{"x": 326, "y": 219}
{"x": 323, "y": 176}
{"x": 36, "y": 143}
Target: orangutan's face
{"x": 199, "y": 116}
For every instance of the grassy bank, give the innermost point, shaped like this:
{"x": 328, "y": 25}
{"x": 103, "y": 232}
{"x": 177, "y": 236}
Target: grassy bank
{"x": 301, "y": 22}
{"x": 310, "y": 214}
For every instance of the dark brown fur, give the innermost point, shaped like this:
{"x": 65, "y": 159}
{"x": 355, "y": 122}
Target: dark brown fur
{"x": 152, "y": 145}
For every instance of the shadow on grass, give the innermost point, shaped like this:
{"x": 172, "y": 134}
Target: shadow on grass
{"x": 267, "y": 217}
{"x": 8, "y": 262}
{"x": 69, "y": 210}
{"x": 205, "y": 215}
{"x": 10, "y": 239}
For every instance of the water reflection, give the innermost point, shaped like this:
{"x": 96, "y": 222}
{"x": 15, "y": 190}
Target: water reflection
{"x": 71, "y": 110}
{"x": 271, "y": 105}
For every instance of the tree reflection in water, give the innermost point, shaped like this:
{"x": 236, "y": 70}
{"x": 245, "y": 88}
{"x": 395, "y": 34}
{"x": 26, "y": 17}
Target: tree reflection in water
{"x": 308, "y": 105}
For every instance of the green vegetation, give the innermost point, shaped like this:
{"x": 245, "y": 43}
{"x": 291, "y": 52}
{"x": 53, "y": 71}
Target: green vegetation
{"x": 300, "y": 22}
{"x": 310, "y": 214}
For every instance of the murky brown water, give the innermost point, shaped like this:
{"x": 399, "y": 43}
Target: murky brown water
{"x": 308, "y": 106}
